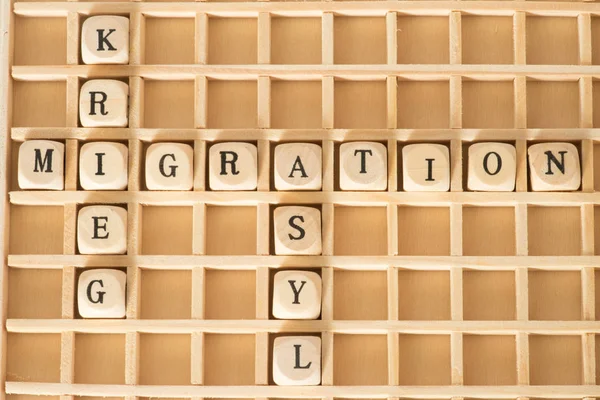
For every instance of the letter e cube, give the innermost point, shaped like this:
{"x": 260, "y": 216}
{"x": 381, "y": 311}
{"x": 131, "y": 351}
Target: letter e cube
{"x": 102, "y": 230}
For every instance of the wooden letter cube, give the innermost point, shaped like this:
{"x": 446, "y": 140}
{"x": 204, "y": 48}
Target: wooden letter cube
{"x": 297, "y": 230}
{"x": 492, "y": 167}
{"x": 426, "y": 168}
{"x": 101, "y": 293}
{"x": 103, "y": 102}
{"x": 170, "y": 166}
{"x": 41, "y": 165}
{"x": 363, "y": 166}
{"x": 296, "y": 295}
{"x": 105, "y": 40}
{"x": 103, "y": 166}
{"x": 233, "y": 166}
{"x": 554, "y": 167}
{"x": 102, "y": 230}
{"x": 298, "y": 166}
{"x": 297, "y": 360}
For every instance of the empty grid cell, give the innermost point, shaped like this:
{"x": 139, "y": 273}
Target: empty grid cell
{"x": 166, "y": 294}
{"x": 169, "y": 40}
{"x": 359, "y": 40}
{"x": 424, "y": 360}
{"x": 597, "y": 288}
{"x": 168, "y": 104}
{"x": 232, "y": 104}
{"x": 423, "y": 231}
{"x": 32, "y": 357}
{"x": 360, "y": 360}
{"x": 230, "y": 230}
{"x": 100, "y": 358}
{"x": 360, "y": 104}
{"x": 423, "y": 40}
{"x": 423, "y": 295}
{"x": 167, "y": 230}
{"x": 296, "y": 104}
{"x": 230, "y": 294}
{"x": 489, "y": 231}
{"x": 489, "y": 360}
{"x": 488, "y": 104}
{"x": 595, "y": 40}
{"x": 596, "y": 224}
{"x": 552, "y": 104}
{"x": 552, "y": 40}
{"x": 596, "y": 113}
{"x": 34, "y": 293}
{"x": 295, "y": 40}
{"x": 554, "y": 231}
{"x": 164, "y": 359}
{"x": 555, "y": 295}
{"x": 423, "y": 104}
{"x": 489, "y": 295}
{"x": 39, "y": 104}
{"x": 359, "y": 295}
{"x": 487, "y": 39}
{"x": 360, "y": 231}
{"x": 555, "y": 360}
{"x": 229, "y": 359}
{"x": 232, "y": 41}
{"x": 40, "y": 41}
{"x": 41, "y": 225}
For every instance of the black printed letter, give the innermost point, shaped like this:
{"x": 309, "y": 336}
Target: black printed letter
{"x": 296, "y": 291}
{"x": 97, "y": 227}
{"x": 104, "y": 39}
{"x": 42, "y": 163}
{"x": 298, "y": 228}
{"x": 93, "y": 103}
{"x": 100, "y": 298}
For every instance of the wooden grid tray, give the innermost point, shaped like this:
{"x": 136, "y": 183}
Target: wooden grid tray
{"x": 425, "y": 295}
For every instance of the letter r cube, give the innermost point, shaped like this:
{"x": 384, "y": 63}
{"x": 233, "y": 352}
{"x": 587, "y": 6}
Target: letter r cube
{"x": 233, "y": 166}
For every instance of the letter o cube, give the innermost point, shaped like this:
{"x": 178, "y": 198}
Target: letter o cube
{"x": 170, "y": 166}
{"x": 297, "y": 360}
{"x": 102, "y": 230}
{"x": 296, "y": 295}
{"x": 297, "y": 230}
{"x": 492, "y": 167}
{"x": 101, "y": 293}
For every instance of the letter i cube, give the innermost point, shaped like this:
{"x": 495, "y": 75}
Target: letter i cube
{"x": 101, "y": 293}
{"x": 41, "y": 165}
{"x": 426, "y": 168}
{"x": 297, "y": 360}
{"x": 296, "y": 295}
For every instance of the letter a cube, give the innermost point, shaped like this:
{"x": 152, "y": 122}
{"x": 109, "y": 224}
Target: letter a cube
{"x": 101, "y": 293}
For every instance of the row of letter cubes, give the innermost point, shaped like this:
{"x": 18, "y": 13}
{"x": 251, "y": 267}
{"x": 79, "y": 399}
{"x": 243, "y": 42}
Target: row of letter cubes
{"x": 101, "y": 293}
{"x": 298, "y": 166}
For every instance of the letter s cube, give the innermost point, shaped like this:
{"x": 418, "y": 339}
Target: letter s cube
{"x": 101, "y": 293}
{"x": 297, "y": 230}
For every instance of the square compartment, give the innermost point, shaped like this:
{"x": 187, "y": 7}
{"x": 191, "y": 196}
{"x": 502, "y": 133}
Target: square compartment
{"x": 232, "y": 41}
{"x": 359, "y": 40}
{"x": 39, "y": 104}
{"x": 168, "y": 104}
{"x": 36, "y": 229}
{"x": 487, "y": 39}
{"x": 295, "y": 40}
{"x": 229, "y": 359}
{"x": 423, "y": 295}
{"x": 423, "y": 104}
{"x": 360, "y": 231}
{"x": 296, "y": 104}
{"x": 359, "y": 295}
{"x": 554, "y": 231}
{"x": 230, "y": 294}
{"x": 230, "y": 230}
{"x": 595, "y": 40}
{"x": 489, "y": 295}
{"x": 423, "y": 231}
{"x": 552, "y": 40}
{"x": 165, "y": 294}
{"x": 360, "y": 360}
{"x": 555, "y": 360}
{"x": 164, "y": 359}
{"x": 232, "y": 104}
{"x": 424, "y": 360}
{"x": 34, "y": 293}
{"x": 33, "y": 357}
{"x": 490, "y": 360}
{"x": 596, "y": 121}
{"x": 40, "y": 41}
{"x": 488, "y": 104}
{"x": 597, "y": 221}
{"x": 169, "y": 40}
{"x": 552, "y": 104}
{"x": 423, "y": 40}
{"x": 167, "y": 230}
{"x": 100, "y": 358}
{"x": 489, "y": 231}
{"x": 360, "y": 104}
{"x": 554, "y": 295}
